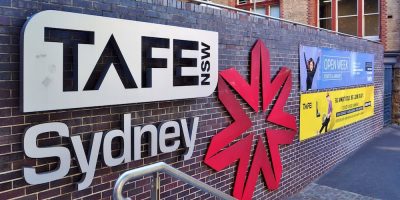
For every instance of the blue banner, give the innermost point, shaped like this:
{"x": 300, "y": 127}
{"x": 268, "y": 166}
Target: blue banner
{"x": 322, "y": 68}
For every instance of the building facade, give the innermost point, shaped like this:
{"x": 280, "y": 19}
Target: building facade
{"x": 377, "y": 20}
{"x": 392, "y": 53}
{"x": 87, "y": 140}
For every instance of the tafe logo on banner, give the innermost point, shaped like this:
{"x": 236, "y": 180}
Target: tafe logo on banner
{"x": 121, "y": 62}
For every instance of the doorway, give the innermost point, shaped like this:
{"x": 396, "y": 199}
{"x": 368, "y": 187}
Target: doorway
{"x": 387, "y": 98}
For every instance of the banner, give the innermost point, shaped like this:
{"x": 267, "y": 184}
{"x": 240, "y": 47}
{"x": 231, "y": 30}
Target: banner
{"x": 322, "y": 68}
{"x": 326, "y": 111}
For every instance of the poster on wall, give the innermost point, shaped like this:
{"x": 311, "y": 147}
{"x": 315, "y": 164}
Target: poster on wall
{"x": 322, "y": 112}
{"x": 322, "y": 68}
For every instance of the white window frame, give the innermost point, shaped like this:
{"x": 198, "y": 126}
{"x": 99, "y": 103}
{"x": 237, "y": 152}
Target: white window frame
{"x": 252, "y": 10}
{"x": 372, "y": 37}
{"x": 363, "y": 18}
{"x": 344, "y": 16}
{"x": 269, "y": 9}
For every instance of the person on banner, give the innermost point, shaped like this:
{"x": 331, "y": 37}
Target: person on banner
{"x": 327, "y": 117}
{"x": 311, "y": 67}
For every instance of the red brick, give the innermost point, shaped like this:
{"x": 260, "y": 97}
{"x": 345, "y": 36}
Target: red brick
{"x": 11, "y": 120}
{"x": 38, "y": 118}
{"x": 49, "y": 193}
{"x": 12, "y": 193}
{"x": 37, "y": 188}
{"x": 81, "y": 193}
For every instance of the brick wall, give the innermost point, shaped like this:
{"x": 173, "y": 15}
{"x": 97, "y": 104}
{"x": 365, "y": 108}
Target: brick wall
{"x": 312, "y": 13}
{"x": 294, "y": 10}
{"x": 392, "y": 25}
{"x": 383, "y": 23}
{"x": 391, "y": 33}
{"x": 302, "y": 162}
{"x": 396, "y": 95}
{"x": 231, "y": 3}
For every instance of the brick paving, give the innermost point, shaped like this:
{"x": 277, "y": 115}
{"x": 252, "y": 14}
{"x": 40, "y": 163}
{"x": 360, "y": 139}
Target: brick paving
{"x": 320, "y": 192}
{"x": 372, "y": 172}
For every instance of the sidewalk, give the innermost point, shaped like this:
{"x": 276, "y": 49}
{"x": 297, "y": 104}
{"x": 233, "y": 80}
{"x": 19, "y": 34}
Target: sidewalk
{"x": 372, "y": 172}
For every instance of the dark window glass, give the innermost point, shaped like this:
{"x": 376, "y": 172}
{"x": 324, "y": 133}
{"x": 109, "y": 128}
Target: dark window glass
{"x": 371, "y": 25}
{"x": 371, "y": 6}
{"x": 347, "y": 7}
{"x": 325, "y": 23}
{"x": 325, "y": 8}
{"x": 348, "y": 25}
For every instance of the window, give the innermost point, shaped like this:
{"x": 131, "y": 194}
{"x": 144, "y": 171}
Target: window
{"x": 371, "y": 18}
{"x": 242, "y": 1}
{"x": 347, "y": 16}
{"x": 350, "y": 17}
{"x": 325, "y": 14}
{"x": 274, "y": 11}
{"x": 259, "y": 10}
{"x": 264, "y": 7}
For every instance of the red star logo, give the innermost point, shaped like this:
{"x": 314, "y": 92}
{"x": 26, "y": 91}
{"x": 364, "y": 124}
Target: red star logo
{"x": 223, "y": 151}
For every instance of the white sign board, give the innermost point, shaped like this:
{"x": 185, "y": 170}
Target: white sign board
{"x": 120, "y": 62}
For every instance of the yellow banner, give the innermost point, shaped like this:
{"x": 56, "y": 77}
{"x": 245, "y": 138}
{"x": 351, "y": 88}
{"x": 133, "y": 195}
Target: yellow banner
{"x": 325, "y": 111}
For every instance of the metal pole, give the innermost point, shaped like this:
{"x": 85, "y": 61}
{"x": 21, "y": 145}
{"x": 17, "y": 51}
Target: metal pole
{"x": 163, "y": 168}
{"x": 254, "y": 6}
{"x": 155, "y": 186}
